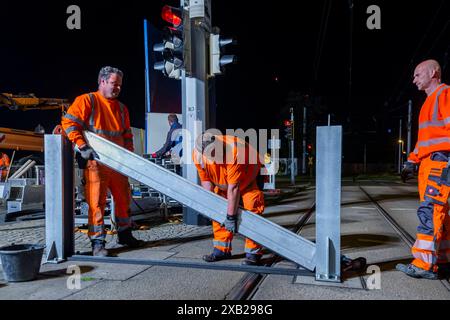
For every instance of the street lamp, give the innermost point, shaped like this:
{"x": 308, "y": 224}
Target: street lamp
{"x": 401, "y": 152}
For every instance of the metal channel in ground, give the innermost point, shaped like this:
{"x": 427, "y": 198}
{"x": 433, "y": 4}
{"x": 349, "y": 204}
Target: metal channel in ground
{"x": 248, "y": 285}
{"x": 409, "y": 240}
{"x": 193, "y": 265}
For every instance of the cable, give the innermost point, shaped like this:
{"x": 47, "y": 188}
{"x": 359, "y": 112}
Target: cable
{"x": 411, "y": 63}
{"x": 322, "y": 35}
{"x": 350, "y": 83}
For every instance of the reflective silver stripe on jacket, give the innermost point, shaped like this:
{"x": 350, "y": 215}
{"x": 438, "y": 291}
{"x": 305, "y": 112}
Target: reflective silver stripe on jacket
{"x": 75, "y": 119}
{"x": 433, "y": 142}
{"x": 101, "y": 131}
{"x": 222, "y": 244}
{"x": 436, "y": 103}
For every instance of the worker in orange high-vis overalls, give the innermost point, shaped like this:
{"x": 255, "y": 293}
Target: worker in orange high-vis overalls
{"x": 4, "y": 166}
{"x": 102, "y": 113}
{"x": 229, "y": 167}
{"x": 432, "y": 248}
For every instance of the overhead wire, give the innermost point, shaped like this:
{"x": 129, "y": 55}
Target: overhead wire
{"x": 415, "y": 53}
{"x": 322, "y": 36}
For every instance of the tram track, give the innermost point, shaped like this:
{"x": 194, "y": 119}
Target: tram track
{"x": 403, "y": 234}
{"x": 249, "y": 284}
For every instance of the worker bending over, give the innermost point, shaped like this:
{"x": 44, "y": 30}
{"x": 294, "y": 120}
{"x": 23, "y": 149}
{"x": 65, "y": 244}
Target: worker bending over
{"x": 102, "y": 113}
{"x": 225, "y": 167}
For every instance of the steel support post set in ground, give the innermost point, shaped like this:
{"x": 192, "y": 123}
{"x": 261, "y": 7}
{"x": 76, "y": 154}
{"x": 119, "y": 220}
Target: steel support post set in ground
{"x": 322, "y": 256}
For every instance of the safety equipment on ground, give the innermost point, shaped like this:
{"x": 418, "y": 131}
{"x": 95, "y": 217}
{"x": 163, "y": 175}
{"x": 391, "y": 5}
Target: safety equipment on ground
{"x": 408, "y": 170}
{"x": 98, "y": 248}
{"x": 217, "y": 255}
{"x": 87, "y": 152}
{"x": 230, "y": 223}
{"x": 355, "y": 265}
{"x": 125, "y": 237}
{"x": 415, "y": 272}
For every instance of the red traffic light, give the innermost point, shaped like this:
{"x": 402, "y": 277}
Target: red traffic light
{"x": 172, "y": 15}
{"x": 309, "y": 147}
{"x": 287, "y": 123}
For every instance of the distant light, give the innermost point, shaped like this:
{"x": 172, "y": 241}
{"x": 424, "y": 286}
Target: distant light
{"x": 287, "y": 123}
{"x": 400, "y": 141}
{"x": 276, "y": 79}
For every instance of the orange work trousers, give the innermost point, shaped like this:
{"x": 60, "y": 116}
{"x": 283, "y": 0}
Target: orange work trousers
{"x": 99, "y": 179}
{"x": 432, "y": 246}
{"x": 253, "y": 200}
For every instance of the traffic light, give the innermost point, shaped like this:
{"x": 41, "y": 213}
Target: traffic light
{"x": 172, "y": 47}
{"x": 289, "y": 129}
{"x": 309, "y": 149}
{"x": 216, "y": 59}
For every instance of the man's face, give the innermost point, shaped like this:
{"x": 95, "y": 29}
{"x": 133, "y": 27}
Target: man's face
{"x": 111, "y": 88}
{"x": 423, "y": 77}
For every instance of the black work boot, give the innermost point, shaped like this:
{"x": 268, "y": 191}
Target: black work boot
{"x": 125, "y": 237}
{"x": 252, "y": 260}
{"x": 217, "y": 255}
{"x": 98, "y": 248}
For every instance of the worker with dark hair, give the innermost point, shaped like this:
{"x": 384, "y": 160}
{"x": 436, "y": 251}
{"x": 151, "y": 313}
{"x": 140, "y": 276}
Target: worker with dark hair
{"x": 173, "y": 139}
{"x": 102, "y": 113}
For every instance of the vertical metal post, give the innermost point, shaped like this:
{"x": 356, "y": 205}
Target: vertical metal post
{"x": 365, "y": 159}
{"x": 400, "y": 148}
{"x": 195, "y": 88}
{"x": 59, "y": 198}
{"x": 147, "y": 86}
{"x": 328, "y": 195}
{"x": 408, "y": 146}
{"x": 304, "y": 142}
{"x": 292, "y": 148}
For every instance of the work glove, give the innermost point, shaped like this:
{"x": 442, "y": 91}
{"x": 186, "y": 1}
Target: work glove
{"x": 88, "y": 153}
{"x": 408, "y": 170}
{"x": 231, "y": 223}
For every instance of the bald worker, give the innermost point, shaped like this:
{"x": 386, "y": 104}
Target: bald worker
{"x": 432, "y": 153}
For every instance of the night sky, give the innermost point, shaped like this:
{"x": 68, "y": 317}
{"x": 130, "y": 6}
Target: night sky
{"x": 289, "y": 55}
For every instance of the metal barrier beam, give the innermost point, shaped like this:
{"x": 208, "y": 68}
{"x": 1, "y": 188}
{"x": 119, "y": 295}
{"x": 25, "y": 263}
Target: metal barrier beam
{"x": 196, "y": 265}
{"x": 257, "y": 228}
{"x": 59, "y": 198}
{"x": 328, "y": 199}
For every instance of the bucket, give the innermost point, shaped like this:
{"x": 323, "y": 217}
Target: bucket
{"x": 21, "y": 262}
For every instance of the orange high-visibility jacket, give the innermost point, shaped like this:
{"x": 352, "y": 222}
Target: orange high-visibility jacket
{"x": 108, "y": 118}
{"x": 242, "y": 166}
{"x": 434, "y": 125}
{"x": 4, "y": 165}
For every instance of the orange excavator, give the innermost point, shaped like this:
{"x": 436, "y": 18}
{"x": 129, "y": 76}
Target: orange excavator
{"x": 27, "y": 140}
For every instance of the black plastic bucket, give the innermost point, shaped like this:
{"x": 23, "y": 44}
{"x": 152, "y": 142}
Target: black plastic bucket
{"x": 21, "y": 262}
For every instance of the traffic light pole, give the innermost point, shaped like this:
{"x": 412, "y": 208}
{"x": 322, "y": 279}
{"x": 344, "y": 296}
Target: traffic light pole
{"x": 292, "y": 148}
{"x": 195, "y": 98}
{"x": 304, "y": 143}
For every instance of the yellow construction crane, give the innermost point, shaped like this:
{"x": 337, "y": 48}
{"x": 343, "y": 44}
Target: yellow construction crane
{"x": 26, "y": 140}
{"x": 28, "y": 102}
